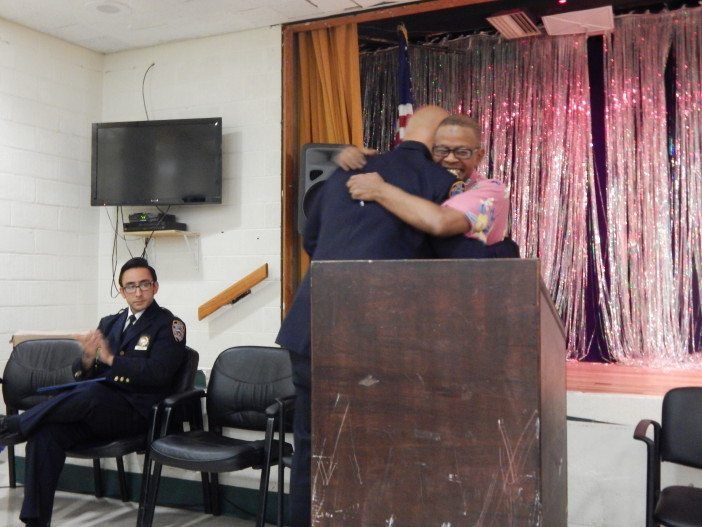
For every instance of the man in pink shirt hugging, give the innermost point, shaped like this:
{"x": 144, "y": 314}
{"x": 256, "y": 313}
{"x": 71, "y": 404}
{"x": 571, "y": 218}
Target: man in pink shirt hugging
{"x": 478, "y": 207}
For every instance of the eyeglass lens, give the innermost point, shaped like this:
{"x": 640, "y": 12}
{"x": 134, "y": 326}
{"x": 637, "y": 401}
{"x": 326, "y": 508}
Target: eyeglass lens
{"x": 144, "y": 285}
{"x": 460, "y": 152}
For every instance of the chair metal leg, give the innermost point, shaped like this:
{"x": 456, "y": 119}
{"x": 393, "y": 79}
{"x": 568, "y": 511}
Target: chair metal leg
{"x": 281, "y": 491}
{"x": 281, "y": 468}
{"x": 11, "y": 465}
{"x": 214, "y": 494}
{"x": 265, "y": 474}
{"x": 206, "y": 500}
{"x": 97, "y": 476}
{"x": 145, "y": 474}
{"x": 122, "y": 480}
{"x": 263, "y": 496}
{"x": 150, "y": 505}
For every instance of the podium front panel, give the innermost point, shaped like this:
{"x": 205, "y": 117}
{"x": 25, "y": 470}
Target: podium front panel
{"x": 428, "y": 390}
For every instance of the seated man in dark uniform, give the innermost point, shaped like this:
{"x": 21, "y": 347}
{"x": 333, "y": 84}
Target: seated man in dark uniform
{"x": 138, "y": 352}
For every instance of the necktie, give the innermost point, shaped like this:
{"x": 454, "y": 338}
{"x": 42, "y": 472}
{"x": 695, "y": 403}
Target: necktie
{"x": 132, "y": 319}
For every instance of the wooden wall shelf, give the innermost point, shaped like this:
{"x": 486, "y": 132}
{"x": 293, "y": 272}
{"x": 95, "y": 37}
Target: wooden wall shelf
{"x": 191, "y": 239}
{"x": 163, "y": 234}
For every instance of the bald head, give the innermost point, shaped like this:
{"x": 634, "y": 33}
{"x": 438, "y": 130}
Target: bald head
{"x": 423, "y": 124}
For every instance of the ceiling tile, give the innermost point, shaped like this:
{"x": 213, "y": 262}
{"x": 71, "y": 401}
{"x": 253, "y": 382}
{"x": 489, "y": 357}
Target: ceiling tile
{"x": 104, "y": 44}
{"x": 297, "y": 10}
{"x": 336, "y": 5}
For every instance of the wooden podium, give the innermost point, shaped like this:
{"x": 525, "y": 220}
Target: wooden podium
{"x": 438, "y": 395}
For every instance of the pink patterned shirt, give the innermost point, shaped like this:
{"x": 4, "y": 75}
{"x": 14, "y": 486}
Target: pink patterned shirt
{"x": 485, "y": 202}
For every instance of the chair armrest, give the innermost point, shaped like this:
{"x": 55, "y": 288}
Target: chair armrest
{"x": 154, "y": 417}
{"x": 642, "y": 428}
{"x": 653, "y": 464}
{"x": 178, "y": 399}
{"x": 165, "y": 411}
{"x": 284, "y": 403}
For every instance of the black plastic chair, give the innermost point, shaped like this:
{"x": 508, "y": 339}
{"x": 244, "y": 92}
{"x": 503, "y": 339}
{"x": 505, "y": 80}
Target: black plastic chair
{"x": 34, "y": 364}
{"x": 118, "y": 448}
{"x": 677, "y": 440}
{"x": 251, "y": 388}
{"x": 286, "y": 463}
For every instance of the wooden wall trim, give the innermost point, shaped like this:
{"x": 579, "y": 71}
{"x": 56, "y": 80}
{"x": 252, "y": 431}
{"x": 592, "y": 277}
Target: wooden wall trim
{"x": 233, "y": 293}
{"x": 290, "y": 254}
{"x": 386, "y": 12}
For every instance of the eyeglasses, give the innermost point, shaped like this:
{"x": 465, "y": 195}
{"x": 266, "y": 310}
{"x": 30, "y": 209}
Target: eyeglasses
{"x": 131, "y": 287}
{"x": 460, "y": 152}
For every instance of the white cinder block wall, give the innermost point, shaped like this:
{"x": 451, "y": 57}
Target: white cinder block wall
{"x": 55, "y": 249}
{"x": 50, "y": 92}
{"x": 238, "y": 77}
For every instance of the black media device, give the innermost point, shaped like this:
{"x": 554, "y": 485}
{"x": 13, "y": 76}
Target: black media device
{"x": 137, "y": 226}
{"x": 171, "y": 162}
{"x": 151, "y": 216}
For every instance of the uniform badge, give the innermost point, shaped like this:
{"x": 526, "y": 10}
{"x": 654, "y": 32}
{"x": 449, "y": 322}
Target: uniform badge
{"x": 143, "y": 343}
{"x": 178, "y": 330}
{"x": 457, "y": 188}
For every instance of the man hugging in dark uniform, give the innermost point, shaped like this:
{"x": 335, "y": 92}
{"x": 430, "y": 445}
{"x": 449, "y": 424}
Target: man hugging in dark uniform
{"x": 137, "y": 353}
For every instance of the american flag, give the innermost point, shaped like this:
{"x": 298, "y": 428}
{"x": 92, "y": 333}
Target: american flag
{"x": 404, "y": 84}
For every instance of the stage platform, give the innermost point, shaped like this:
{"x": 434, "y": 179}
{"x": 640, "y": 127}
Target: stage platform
{"x": 597, "y": 377}
{"x": 606, "y": 466}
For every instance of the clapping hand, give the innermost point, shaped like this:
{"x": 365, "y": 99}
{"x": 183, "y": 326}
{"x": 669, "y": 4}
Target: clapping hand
{"x": 94, "y": 346}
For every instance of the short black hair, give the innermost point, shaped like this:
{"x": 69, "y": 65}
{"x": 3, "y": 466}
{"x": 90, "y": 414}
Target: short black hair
{"x": 134, "y": 263}
{"x": 464, "y": 121}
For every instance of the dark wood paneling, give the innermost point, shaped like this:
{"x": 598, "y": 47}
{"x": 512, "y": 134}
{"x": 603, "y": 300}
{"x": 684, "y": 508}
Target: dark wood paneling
{"x": 426, "y": 393}
{"x": 290, "y": 246}
{"x": 554, "y": 461}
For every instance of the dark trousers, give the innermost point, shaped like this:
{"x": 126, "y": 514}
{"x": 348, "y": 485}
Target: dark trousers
{"x": 300, "y": 474}
{"x": 92, "y": 413}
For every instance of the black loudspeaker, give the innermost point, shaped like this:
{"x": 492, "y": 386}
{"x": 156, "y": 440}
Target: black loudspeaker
{"x": 316, "y": 165}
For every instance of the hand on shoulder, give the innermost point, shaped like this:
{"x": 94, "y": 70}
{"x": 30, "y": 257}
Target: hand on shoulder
{"x": 353, "y": 158}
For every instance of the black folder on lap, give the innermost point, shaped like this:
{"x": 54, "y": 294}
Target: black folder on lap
{"x": 68, "y": 385}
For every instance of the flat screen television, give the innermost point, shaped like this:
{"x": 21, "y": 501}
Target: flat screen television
{"x": 172, "y": 162}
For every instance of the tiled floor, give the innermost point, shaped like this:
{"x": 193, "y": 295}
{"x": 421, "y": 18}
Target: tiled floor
{"x": 82, "y": 510}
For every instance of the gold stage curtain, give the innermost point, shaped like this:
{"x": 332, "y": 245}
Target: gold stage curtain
{"x": 330, "y": 86}
{"x": 329, "y": 91}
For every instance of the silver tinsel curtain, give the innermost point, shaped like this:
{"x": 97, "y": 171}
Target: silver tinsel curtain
{"x": 532, "y": 98}
{"x": 437, "y": 78}
{"x": 649, "y": 288}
